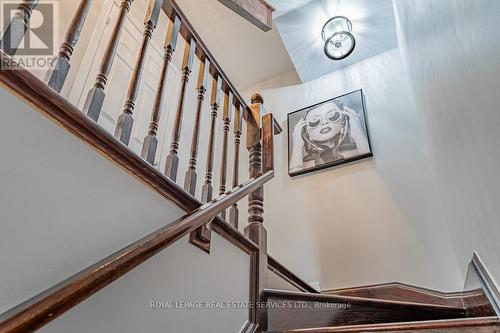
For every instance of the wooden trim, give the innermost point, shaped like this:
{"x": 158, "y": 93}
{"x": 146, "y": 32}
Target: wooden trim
{"x": 253, "y": 290}
{"x": 295, "y": 310}
{"x": 437, "y": 325}
{"x": 475, "y": 302}
{"x": 257, "y": 12}
{"x": 289, "y": 276}
{"x": 42, "y": 309}
{"x": 234, "y": 236}
{"x": 282, "y": 294}
{"x": 487, "y": 282}
{"x": 388, "y": 285}
{"x": 400, "y": 291}
{"x": 267, "y": 142}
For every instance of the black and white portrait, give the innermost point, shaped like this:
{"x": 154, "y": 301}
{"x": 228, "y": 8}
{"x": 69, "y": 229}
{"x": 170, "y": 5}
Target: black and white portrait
{"x": 326, "y": 134}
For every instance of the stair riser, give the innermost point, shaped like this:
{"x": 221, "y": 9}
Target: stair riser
{"x": 477, "y": 325}
{"x": 283, "y": 314}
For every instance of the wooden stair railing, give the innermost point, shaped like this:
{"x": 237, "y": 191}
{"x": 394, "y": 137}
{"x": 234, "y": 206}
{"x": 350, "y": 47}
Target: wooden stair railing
{"x": 224, "y": 95}
{"x": 47, "y": 306}
{"x": 260, "y": 129}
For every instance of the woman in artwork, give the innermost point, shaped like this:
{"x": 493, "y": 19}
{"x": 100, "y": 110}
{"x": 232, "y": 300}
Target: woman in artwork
{"x": 328, "y": 132}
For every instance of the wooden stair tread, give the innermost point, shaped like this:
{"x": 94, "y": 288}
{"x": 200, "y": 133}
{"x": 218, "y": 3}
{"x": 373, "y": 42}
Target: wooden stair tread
{"x": 271, "y": 293}
{"x": 295, "y": 310}
{"x": 480, "y": 325}
{"x": 397, "y": 291}
{"x": 475, "y": 301}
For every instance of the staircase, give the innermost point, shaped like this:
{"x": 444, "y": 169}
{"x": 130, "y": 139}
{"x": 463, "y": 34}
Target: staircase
{"x": 279, "y": 300}
{"x": 382, "y": 308}
{"x": 480, "y": 325}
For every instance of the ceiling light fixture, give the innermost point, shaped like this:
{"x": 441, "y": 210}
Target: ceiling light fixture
{"x": 339, "y": 41}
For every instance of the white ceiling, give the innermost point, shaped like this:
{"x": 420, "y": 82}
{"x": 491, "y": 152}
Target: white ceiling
{"x": 300, "y": 22}
{"x": 250, "y": 56}
{"x": 247, "y": 54}
{"x": 285, "y": 6}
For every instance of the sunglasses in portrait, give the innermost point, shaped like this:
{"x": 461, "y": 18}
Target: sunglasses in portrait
{"x": 331, "y": 117}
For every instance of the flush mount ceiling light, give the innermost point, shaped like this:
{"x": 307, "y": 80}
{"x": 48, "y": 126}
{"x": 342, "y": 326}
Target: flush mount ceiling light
{"x": 339, "y": 41}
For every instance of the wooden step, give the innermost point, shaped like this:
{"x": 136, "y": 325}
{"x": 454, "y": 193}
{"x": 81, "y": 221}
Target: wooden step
{"x": 396, "y": 291}
{"x": 474, "y": 301}
{"x": 294, "y": 310}
{"x": 477, "y": 325}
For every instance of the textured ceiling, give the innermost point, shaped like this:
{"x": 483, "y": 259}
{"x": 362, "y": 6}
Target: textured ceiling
{"x": 300, "y": 22}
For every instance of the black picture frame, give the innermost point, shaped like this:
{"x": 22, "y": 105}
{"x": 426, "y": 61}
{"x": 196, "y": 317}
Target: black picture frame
{"x": 342, "y": 99}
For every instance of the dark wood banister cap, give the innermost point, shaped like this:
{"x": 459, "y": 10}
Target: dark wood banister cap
{"x": 257, "y": 98}
{"x": 277, "y": 267}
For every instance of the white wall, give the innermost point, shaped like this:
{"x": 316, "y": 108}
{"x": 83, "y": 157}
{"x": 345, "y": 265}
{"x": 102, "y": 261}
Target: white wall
{"x": 451, "y": 50}
{"x": 180, "y": 275}
{"x": 63, "y": 206}
{"x": 375, "y": 221}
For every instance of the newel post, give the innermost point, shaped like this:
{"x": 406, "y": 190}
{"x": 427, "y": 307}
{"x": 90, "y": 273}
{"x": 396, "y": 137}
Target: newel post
{"x": 255, "y": 230}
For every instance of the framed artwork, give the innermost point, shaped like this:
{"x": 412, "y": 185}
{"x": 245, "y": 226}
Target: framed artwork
{"x": 327, "y": 134}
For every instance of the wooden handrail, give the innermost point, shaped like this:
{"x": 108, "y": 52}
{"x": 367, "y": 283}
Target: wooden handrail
{"x": 44, "y": 308}
{"x": 275, "y": 266}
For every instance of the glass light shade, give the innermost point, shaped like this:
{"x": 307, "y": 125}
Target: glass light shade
{"x": 339, "y": 41}
{"x": 336, "y": 24}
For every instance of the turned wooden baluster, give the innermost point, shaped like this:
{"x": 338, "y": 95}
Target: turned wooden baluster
{"x": 96, "y": 95}
{"x": 202, "y": 234}
{"x": 17, "y": 27}
{"x": 238, "y": 119}
{"x": 150, "y": 143}
{"x": 57, "y": 73}
{"x": 255, "y": 230}
{"x": 190, "y": 178}
{"x": 126, "y": 121}
{"x": 172, "y": 162}
{"x": 227, "y": 111}
{"x": 207, "y": 189}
